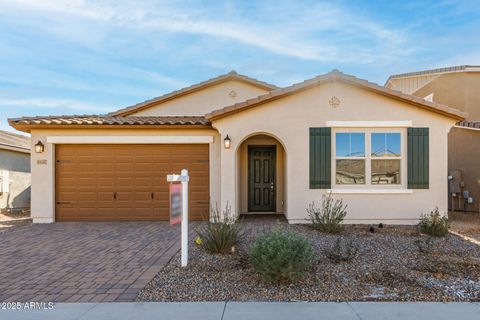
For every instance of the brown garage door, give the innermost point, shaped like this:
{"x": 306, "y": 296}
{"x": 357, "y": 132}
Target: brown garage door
{"x": 127, "y": 182}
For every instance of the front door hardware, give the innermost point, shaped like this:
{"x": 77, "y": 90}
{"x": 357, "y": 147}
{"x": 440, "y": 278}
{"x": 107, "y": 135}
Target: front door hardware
{"x": 115, "y": 195}
{"x": 152, "y": 195}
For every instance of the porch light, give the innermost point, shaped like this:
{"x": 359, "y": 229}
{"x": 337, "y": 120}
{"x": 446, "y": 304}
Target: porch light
{"x": 39, "y": 147}
{"x": 226, "y": 142}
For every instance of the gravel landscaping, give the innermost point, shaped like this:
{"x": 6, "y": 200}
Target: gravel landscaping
{"x": 388, "y": 266}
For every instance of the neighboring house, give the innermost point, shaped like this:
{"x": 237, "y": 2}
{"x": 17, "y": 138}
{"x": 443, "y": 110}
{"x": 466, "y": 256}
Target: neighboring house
{"x": 458, "y": 87}
{"x": 14, "y": 172}
{"x": 249, "y": 145}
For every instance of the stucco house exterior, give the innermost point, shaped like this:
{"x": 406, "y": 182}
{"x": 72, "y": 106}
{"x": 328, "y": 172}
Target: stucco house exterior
{"x": 457, "y": 87}
{"x": 249, "y": 145}
{"x": 14, "y": 172}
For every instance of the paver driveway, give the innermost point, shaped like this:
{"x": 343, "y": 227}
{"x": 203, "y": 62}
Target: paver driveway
{"x": 83, "y": 261}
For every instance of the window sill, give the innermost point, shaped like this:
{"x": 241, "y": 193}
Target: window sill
{"x": 370, "y": 191}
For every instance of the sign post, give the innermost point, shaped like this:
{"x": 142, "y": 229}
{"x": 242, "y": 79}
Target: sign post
{"x": 179, "y": 207}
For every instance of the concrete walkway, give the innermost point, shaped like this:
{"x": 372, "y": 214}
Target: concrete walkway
{"x": 252, "y": 311}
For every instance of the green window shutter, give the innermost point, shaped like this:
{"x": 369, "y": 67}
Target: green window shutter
{"x": 418, "y": 158}
{"x": 320, "y": 158}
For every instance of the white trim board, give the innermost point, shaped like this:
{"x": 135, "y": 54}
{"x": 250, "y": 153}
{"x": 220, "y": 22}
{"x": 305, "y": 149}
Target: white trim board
{"x": 13, "y": 148}
{"x": 129, "y": 139}
{"x": 370, "y": 124}
{"x": 467, "y": 128}
{"x": 370, "y": 191}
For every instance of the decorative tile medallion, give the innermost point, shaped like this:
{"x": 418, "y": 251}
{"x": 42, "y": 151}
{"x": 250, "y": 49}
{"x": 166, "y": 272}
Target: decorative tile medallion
{"x": 334, "y": 102}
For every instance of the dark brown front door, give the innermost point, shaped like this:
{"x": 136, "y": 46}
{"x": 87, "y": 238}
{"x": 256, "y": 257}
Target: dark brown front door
{"x": 261, "y": 178}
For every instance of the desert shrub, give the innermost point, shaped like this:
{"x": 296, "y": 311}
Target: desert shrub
{"x": 329, "y": 216}
{"x": 434, "y": 224}
{"x": 221, "y": 232}
{"x": 342, "y": 251}
{"x": 281, "y": 255}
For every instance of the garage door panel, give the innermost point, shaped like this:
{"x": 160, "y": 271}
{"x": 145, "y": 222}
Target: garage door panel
{"x": 88, "y": 177}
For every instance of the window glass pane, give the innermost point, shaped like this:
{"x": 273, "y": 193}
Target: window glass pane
{"x": 385, "y": 171}
{"x": 350, "y": 171}
{"x": 386, "y": 145}
{"x": 350, "y": 144}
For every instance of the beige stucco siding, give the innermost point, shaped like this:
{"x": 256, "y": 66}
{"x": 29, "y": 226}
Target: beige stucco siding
{"x": 17, "y": 164}
{"x": 289, "y": 120}
{"x": 43, "y": 164}
{"x": 473, "y": 95}
{"x": 457, "y": 89}
{"x": 464, "y": 155}
{"x": 204, "y": 101}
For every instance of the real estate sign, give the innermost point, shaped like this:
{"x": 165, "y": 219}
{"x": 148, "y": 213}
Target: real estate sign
{"x": 175, "y": 202}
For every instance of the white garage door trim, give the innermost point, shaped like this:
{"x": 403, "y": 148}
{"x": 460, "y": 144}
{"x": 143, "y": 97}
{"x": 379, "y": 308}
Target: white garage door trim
{"x": 128, "y": 139}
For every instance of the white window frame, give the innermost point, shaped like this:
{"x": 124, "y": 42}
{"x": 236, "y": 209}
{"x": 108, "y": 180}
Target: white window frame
{"x": 368, "y": 187}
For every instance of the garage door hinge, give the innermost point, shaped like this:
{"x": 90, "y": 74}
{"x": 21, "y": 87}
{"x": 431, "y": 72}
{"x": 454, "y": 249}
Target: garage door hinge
{"x": 63, "y": 161}
{"x": 64, "y": 202}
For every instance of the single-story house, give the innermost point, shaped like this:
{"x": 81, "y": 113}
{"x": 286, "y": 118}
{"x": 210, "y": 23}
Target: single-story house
{"x": 249, "y": 145}
{"x": 457, "y": 87}
{"x": 14, "y": 172}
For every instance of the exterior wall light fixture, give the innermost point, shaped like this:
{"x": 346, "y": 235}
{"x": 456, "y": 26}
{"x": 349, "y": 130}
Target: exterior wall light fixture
{"x": 39, "y": 147}
{"x": 227, "y": 142}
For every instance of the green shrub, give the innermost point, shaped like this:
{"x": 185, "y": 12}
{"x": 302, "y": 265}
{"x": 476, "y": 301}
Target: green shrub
{"x": 329, "y": 216}
{"x": 434, "y": 224}
{"x": 221, "y": 233}
{"x": 342, "y": 251}
{"x": 281, "y": 255}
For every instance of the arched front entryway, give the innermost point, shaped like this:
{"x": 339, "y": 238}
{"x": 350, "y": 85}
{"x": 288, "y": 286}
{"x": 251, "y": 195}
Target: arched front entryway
{"x": 261, "y": 175}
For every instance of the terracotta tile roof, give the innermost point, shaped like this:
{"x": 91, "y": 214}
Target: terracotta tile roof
{"x": 435, "y": 71}
{"x": 336, "y": 75}
{"x": 13, "y": 141}
{"x": 469, "y": 124}
{"x": 232, "y": 75}
{"x": 25, "y": 123}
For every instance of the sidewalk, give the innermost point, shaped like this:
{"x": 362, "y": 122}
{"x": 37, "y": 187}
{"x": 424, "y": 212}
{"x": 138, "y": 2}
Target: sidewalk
{"x": 252, "y": 311}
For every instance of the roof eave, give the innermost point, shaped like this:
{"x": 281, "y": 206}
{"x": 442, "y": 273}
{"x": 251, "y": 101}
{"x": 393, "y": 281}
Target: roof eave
{"x": 14, "y": 148}
{"x": 29, "y": 127}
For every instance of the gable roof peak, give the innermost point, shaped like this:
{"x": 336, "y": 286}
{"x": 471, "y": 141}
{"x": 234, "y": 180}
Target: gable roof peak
{"x": 335, "y": 72}
{"x": 333, "y": 76}
{"x": 232, "y": 75}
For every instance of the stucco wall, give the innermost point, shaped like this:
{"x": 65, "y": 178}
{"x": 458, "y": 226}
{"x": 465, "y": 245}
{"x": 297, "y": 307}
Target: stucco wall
{"x": 18, "y": 166}
{"x": 458, "y": 90}
{"x": 204, "y": 101}
{"x": 447, "y": 89}
{"x": 473, "y": 95}
{"x": 43, "y": 165}
{"x": 464, "y": 155}
{"x": 289, "y": 120}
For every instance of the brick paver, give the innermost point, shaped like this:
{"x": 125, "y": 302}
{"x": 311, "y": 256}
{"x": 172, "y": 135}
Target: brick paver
{"x": 83, "y": 261}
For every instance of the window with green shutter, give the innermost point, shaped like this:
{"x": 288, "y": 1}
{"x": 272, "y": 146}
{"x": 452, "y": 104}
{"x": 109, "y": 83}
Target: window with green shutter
{"x": 418, "y": 158}
{"x": 320, "y": 158}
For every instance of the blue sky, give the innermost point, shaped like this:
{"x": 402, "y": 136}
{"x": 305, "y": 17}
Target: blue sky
{"x": 87, "y": 57}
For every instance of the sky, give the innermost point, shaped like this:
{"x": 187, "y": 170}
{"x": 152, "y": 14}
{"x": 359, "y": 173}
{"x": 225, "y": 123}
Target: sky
{"x": 92, "y": 57}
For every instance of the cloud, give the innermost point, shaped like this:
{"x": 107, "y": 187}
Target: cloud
{"x": 314, "y": 31}
{"x": 47, "y": 103}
